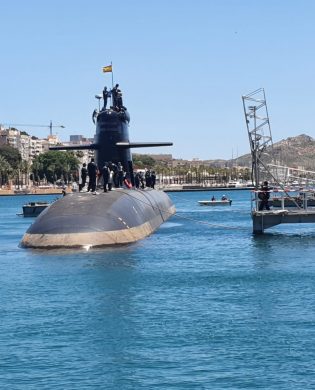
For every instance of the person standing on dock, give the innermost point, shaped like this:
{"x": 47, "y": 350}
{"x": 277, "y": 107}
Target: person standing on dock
{"x": 264, "y": 196}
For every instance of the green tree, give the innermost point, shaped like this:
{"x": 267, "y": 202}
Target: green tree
{"x": 25, "y": 170}
{"x": 143, "y": 161}
{"x": 55, "y": 165}
{"x": 11, "y": 155}
{"x": 5, "y": 171}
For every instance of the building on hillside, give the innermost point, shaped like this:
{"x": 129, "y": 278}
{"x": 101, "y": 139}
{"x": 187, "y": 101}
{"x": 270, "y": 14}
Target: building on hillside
{"x": 10, "y": 137}
{"x": 80, "y": 140}
{"x": 53, "y": 140}
{"x": 14, "y": 138}
{"x": 24, "y": 147}
{"x": 37, "y": 147}
{"x": 176, "y": 163}
{"x": 84, "y": 155}
{"x": 28, "y": 146}
{"x": 76, "y": 139}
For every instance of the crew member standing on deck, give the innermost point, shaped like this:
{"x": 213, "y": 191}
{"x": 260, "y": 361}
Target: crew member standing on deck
{"x": 120, "y": 174}
{"x": 115, "y": 96}
{"x": 83, "y": 176}
{"x": 92, "y": 170}
{"x": 152, "y": 179}
{"x": 106, "y": 95}
{"x": 105, "y": 173}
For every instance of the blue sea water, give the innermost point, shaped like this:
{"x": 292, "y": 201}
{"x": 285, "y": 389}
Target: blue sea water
{"x": 200, "y": 304}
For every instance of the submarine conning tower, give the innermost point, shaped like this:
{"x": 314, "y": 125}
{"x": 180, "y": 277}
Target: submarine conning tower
{"x": 112, "y": 127}
{"x": 111, "y": 140}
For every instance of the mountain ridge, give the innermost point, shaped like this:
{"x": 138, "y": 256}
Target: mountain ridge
{"x": 295, "y": 152}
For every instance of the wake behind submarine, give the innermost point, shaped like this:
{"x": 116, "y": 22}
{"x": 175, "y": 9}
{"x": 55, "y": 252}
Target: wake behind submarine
{"x": 121, "y": 216}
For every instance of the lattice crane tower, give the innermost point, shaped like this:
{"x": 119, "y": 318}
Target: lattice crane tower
{"x": 259, "y": 131}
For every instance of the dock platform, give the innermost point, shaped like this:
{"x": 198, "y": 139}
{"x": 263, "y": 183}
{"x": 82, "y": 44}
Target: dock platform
{"x": 302, "y": 212}
{"x": 266, "y": 219}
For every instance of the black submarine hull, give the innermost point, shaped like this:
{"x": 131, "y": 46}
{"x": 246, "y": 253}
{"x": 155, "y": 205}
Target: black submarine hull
{"x": 84, "y": 220}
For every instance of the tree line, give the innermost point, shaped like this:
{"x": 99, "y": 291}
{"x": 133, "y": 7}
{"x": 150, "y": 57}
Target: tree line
{"x": 50, "y": 167}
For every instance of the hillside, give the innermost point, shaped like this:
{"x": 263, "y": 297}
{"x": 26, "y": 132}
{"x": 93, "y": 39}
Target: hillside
{"x": 297, "y": 152}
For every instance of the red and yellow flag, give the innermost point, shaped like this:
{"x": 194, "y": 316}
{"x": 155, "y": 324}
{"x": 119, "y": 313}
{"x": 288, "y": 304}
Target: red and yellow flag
{"x": 108, "y": 68}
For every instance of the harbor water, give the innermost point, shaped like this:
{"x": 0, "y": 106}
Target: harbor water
{"x": 200, "y": 304}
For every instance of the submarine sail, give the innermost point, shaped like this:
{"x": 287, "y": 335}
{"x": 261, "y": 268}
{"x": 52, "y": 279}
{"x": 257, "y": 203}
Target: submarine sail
{"x": 121, "y": 216}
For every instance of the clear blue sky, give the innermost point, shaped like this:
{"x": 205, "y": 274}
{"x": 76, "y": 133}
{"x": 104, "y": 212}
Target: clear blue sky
{"x": 182, "y": 66}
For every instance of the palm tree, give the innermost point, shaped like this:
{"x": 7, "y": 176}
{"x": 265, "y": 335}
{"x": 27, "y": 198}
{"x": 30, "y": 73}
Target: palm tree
{"x": 5, "y": 170}
{"x": 25, "y": 169}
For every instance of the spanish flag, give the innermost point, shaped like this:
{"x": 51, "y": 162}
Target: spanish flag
{"x": 107, "y": 68}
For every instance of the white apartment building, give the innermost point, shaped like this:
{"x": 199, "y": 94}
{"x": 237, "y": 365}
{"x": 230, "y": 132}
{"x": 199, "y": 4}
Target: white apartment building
{"x": 28, "y": 146}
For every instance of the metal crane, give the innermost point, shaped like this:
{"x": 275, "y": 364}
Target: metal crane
{"x": 50, "y": 126}
{"x": 259, "y": 131}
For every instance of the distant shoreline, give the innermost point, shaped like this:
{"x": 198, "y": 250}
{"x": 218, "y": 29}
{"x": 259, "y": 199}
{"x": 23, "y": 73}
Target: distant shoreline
{"x": 195, "y": 189}
{"x": 37, "y": 191}
{"x": 58, "y": 191}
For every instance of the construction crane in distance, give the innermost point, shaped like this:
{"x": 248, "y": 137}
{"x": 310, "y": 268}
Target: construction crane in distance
{"x": 50, "y": 126}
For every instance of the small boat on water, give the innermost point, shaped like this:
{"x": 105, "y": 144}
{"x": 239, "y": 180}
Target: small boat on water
{"x": 215, "y": 202}
{"x": 33, "y": 209}
{"x": 236, "y": 184}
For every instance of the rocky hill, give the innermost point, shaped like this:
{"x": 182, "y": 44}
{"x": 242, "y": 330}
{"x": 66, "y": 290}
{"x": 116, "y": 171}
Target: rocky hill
{"x": 296, "y": 152}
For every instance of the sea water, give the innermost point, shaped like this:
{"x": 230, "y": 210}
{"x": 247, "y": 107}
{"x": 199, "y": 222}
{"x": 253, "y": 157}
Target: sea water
{"x": 200, "y": 304}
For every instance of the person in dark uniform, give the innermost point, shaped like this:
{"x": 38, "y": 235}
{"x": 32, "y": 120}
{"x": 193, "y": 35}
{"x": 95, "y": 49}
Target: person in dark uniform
{"x": 83, "y": 176}
{"x": 92, "y": 170}
{"x": 120, "y": 174}
{"x": 153, "y": 179}
{"x": 141, "y": 178}
{"x": 137, "y": 180}
{"x": 94, "y": 115}
{"x": 105, "y": 173}
{"x": 117, "y": 97}
{"x": 114, "y": 168}
{"x": 147, "y": 177}
{"x": 119, "y": 100}
{"x": 106, "y": 95}
{"x": 264, "y": 196}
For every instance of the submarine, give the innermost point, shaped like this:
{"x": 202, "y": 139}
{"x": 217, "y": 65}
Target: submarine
{"x": 121, "y": 216}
